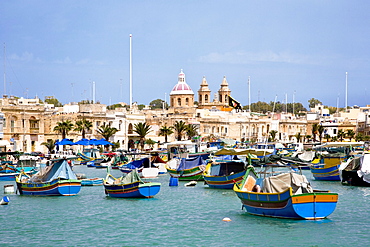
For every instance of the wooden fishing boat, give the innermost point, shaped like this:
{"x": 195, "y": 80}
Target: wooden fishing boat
{"x": 57, "y": 179}
{"x": 287, "y": 195}
{"x": 187, "y": 169}
{"x": 333, "y": 154}
{"x": 143, "y": 167}
{"x": 356, "y": 171}
{"x": 129, "y": 186}
{"x": 223, "y": 174}
{"x": 91, "y": 157}
{"x": 327, "y": 168}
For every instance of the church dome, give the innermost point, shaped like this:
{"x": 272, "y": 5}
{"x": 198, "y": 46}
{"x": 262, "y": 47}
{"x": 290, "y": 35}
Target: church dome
{"x": 181, "y": 87}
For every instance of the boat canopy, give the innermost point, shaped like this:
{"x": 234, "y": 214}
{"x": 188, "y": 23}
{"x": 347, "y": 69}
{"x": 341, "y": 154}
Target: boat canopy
{"x": 226, "y": 168}
{"x": 59, "y": 169}
{"x": 281, "y": 182}
{"x": 139, "y": 163}
{"x": 190, "y": 163}
{"x": 361, "y": 165}
{"x": 130, "y": 178}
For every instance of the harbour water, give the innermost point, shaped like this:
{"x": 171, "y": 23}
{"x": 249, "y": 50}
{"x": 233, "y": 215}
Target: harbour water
{"x": 177, "y": 216}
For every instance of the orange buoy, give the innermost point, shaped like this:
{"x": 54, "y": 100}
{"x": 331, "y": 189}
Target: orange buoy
{"x": 226, "y": 219}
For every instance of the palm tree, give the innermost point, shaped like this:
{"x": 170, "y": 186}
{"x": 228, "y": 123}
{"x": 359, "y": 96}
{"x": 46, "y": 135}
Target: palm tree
{"x": 50, "y": 145}
{"x": 191, "y": 131}
{"x": 150, "y": 142}
{"x": 142, "y": 129}
{"x": 341, "y": 134}
{"x": 106, "y": 131}
{"x": 307, "y": 137}
{"x": 63, "y": 128}
{"x": 359, "y": 137}
{"x": 83, "y": 126}
{"x": 350, "y": 134}
{"x": 320, "y": 130}
{"x": 315, "y": 128}
{"x": 298, "y": 136}
{"x": 273, "y": 135}
{"x": 165, "y": 131}
{"x": 180, "y": 128}
{"x": 327, "y": 137}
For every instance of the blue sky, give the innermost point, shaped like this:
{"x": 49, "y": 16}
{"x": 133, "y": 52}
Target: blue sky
{"x": 300, "y": 48}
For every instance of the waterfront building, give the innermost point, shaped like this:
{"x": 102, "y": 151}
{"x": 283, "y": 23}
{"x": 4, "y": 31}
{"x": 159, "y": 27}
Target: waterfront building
{"x": 27, "y": 123}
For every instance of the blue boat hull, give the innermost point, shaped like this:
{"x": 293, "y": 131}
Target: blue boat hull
{"x": 325, "y": 172}
{"x": 54, "y": 188}
{"x": 133, "y": 190}
{"x": 223, "y": 182}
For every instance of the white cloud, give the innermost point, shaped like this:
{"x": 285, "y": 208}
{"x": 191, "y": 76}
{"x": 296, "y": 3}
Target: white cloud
{"x": 66, "y": 60}
{"x": 26, "y": 57}
{"x": 242, "y": 57}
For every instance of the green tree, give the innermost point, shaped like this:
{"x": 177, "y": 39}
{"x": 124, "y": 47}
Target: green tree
{"x": 307, "y": 138}
{"x": 49, "y": 144}
{"x": 320, "y": 131}
{"x": 158, "y": 104}
{"x": 106, "y": 131}
{"x": 52, "y": 100}
{"x": 350, "y": 134}
{"x": 359, "y": 137}
{"x": 114, "y": 106}
{"x": 180, "y": 128}
{"x": 165, "y": 131}
{"x": 191, "y": 131}
{"x": 273, "y": 134}
{"x": 334, "y": 139}
{"x": 142, "y": 129}
{"x": 327, "y": 137}
{"x": 298, "y": 136}
{"x": 150, "y": 142}
{"x": 315, "y": 130}
{"x": 341, "y": 135}
{"x": 312, "y": 102}
{"x": 63, "y": 128}
{"x": 83, "y": 126}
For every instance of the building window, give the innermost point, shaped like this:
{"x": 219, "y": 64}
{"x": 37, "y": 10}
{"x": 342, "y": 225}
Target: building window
{"x": 200, "y": 99}
{"x": 187, "y": 101}
{"x": 179, "y": 101}
{"x": 130, "y": 131}
{"x": 206, "y": 98}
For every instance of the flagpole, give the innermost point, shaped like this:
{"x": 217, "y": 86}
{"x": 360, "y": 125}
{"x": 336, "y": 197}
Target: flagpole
{"x": 130, "y": 72}
{"x": 249, "y": 93}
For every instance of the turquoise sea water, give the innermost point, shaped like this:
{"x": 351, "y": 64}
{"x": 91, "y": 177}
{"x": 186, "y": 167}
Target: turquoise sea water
{"x": 177, "y": 216}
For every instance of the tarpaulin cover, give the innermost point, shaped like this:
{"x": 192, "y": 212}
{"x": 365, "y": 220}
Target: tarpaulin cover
{"x": 139, "y": 163}
{"x": 59, "y": 169}
{"x": 130, "y": 178}
{"x": 190, "y": 163}
{"x": 281, "y": 182}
